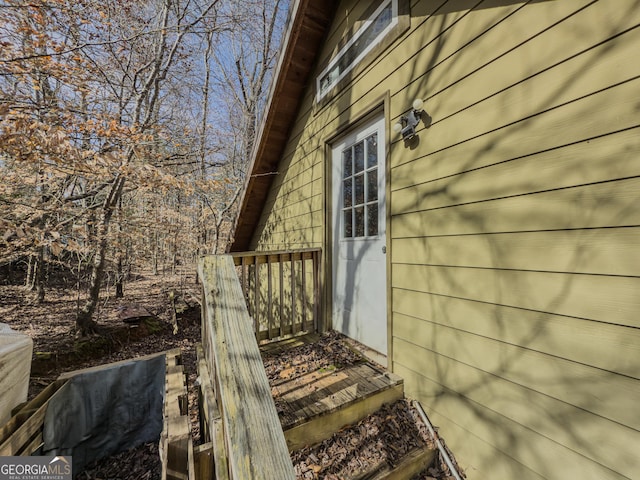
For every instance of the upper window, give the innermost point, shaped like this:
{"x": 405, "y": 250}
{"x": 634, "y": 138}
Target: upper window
{"x": 374, "y": 29}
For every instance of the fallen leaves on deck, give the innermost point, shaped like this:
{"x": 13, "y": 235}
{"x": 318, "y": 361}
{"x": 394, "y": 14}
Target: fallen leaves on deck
{"x": 381, "y": 439}
{"x": 329, "y": 353}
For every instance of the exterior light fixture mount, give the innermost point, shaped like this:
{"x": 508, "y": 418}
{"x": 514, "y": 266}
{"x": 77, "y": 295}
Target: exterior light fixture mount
{"x": 409, "y": 121}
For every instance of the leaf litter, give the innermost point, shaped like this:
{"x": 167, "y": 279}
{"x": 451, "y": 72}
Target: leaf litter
{"x": 380, "y": 440}
{"x": 56, "y": 349}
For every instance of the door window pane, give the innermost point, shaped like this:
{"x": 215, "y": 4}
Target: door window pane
{"x": 359, "y": 222}
{"x": 372, "y": 219}
{"x": 348, "y": 192}
{"x": 372, "y": 150}
{"x": 358, "y": 153}
{"x": 359, "y": 189}
{"x": 372, "y": 185}
{"x": 348, "y": 227}
{"x": 348, "y": 163}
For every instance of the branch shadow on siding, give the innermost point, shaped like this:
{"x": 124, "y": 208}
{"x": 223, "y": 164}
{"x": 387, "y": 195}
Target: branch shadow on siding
{"x": 520, "y": 342}
{"x": 513, "y": 266}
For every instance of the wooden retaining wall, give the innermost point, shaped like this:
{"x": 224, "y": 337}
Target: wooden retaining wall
{"x": 22, "y": 434}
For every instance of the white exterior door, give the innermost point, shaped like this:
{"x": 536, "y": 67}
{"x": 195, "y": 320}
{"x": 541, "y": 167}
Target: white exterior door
{"x": 359, "y": 261}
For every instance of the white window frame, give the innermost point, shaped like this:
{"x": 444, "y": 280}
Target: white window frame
{"x": 365, "y": 172}
{"x": 394, "y": 21}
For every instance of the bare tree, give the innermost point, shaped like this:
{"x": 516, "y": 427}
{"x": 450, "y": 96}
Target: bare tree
{"x": 244, "y": 67}
{"x": 125, "y": 129}
{"x": 171, "y": 23}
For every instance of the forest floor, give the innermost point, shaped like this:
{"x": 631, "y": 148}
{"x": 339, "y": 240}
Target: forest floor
{"x": 57, "y": 349}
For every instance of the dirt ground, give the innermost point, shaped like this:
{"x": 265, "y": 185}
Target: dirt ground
{"x": 57, "y": 348}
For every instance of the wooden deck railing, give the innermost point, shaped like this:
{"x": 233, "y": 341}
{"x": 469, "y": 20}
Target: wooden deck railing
{"x": 253, "y": 438}
{"x": 282, "y": 291}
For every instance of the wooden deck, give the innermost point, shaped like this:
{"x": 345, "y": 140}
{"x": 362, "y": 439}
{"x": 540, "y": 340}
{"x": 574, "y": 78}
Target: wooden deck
{"x": 313, "y": 406}
{"x": 259, "y": 408}
{"x": 279, "y": 346}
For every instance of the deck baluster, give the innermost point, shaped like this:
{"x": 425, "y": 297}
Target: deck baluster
{"x": 269, "y": 299}
{"x": 298, "y": 309}
{"x": 281, "y": 294}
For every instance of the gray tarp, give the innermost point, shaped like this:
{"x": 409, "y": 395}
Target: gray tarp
{"x": 99, "y": 413}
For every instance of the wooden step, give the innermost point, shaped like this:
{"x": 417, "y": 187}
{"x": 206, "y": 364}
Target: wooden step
{"x": 386, "y": 445}
{"x": 412, "y": 464}
{"x": 316, "y": 405}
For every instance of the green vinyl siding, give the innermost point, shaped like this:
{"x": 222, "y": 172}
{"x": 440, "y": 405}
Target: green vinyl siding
{"x": 514, "y": 224}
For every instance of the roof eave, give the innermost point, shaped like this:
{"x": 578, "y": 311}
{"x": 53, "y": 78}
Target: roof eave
{"x": 308, "y": 23}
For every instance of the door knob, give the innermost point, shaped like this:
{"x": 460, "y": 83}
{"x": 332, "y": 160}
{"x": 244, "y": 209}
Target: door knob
{"x": 384, "y": 249}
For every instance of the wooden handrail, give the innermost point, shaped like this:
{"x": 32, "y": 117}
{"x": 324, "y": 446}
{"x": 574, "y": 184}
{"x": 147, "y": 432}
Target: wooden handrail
{"x": 306, "y": 252}
{"x": 254, "y": 441}
{"x": 281, "y": 303}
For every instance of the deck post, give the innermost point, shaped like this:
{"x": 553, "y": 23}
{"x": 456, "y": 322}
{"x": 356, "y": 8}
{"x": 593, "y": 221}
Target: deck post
{"x": 269, "y": 299}
{"x": 243, "y": 278}
{"x": 317, "y": 298}
{"x": 293, "y": 295}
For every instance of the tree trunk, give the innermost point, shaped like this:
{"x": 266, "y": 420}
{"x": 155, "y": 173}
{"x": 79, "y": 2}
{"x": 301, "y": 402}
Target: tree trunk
{"x": 174, "y": 254}
{"x": 119, "y": 270}
{"x": 119, "y": 278}
{"x": 84, "y": 319}
{"x": 156, "y": 247}
{"x": 33, "y": 263}
{"x": 39, "y": 276}
{"x": 155, "y": 262}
